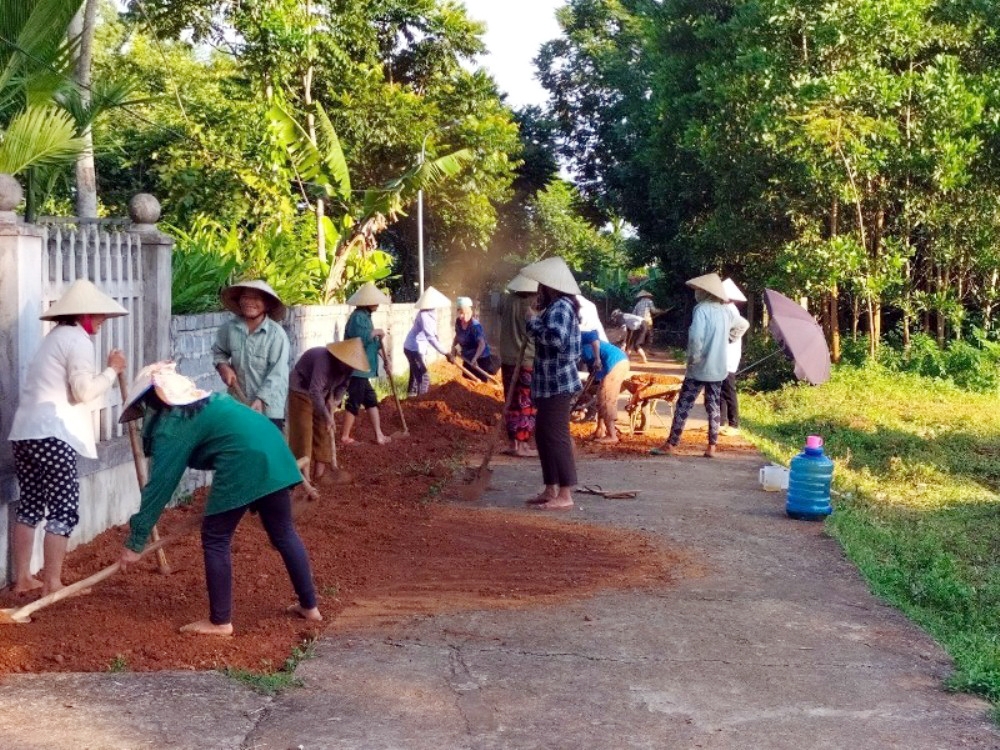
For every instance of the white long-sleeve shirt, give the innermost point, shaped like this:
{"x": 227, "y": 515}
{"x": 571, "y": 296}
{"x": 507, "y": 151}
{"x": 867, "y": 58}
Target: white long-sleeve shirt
{"x": 58, "y": 395}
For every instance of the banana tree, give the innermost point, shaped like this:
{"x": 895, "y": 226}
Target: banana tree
{"x": 351, "y": 226}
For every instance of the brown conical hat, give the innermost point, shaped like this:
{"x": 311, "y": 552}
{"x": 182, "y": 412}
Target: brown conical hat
{"x": 522, "y": 283}
{"x": 351, "y": 352}
{"x": 231, "y": 298}
{"x": 83, "y": 298}
{"x": 553, "y": 273}
{"x": 710, "y": 283}
{"x": 172, "y": 388}
{"x": 431, "y": 299}
{"x": 368, "y": 295}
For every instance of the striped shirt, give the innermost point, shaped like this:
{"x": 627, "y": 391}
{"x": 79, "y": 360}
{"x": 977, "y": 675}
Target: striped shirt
{"x": 557, "y": 349}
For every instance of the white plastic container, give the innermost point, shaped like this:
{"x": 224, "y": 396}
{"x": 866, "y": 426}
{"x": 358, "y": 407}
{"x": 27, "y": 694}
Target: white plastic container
{"x": 774, "y": 478}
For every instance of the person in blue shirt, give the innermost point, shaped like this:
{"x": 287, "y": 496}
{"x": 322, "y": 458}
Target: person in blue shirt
{"x": 714, "y": 326}
{"x": 470, "y": 341}
{"x": 609, "y": 368}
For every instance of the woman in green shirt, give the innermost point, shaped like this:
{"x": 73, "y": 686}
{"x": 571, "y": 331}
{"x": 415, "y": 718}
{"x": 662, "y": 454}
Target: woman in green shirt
{"x": 254, "y": 470}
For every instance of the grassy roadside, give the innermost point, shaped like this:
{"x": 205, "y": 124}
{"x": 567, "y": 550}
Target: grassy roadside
{"x": 918, "y": 472}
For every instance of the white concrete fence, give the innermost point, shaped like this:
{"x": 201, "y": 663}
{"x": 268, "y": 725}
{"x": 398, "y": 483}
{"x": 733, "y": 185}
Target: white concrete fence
{"x": 132, "y": 263}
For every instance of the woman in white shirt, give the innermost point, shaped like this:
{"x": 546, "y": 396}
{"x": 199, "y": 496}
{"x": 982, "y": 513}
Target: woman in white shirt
{"x": 53, "y": 423}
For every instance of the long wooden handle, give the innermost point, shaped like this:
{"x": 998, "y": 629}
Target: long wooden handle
{"x": 140, "y": 472}
{"x": 24, "y": 612}
{"x": 392, "y": 383}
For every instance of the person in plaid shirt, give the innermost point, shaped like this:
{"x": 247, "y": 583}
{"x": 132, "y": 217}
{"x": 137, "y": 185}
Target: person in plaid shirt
{"x": 556, "y": 332}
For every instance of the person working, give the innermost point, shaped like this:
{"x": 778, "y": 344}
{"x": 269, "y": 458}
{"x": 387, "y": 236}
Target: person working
{"x": 251, "y": 350}
{"x": 470, "y": 342}
{"x": 609, "y": 370}
{"x": 730, "y": 411}
{"x": 359, "y": 391}
{"x": 422, "y": 335}
{"x": 52, "y": 424}
{"x": 515, "y": 310}
{"x": 713, "y": 326}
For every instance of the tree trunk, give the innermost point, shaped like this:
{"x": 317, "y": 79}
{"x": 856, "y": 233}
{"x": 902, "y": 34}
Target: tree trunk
{"x": 835, "y": 324}
{"x": 942, "y": 281}
{"x": 86, "y": 173}
{"x": 311, "y": 119}
{"x": 855, "y": 316}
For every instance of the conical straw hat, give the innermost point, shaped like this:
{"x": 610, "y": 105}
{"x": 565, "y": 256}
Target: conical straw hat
{"x": 83, "y": 298}
{"x": 231, "y": 298}
{"x": 172, "y": 388}
{"x": 367, "y": 295}
{"x": 643, "y": 293}
{"x": 733, "y": 292}
{"x": 521, "y": 283}
{"x": 553, "y": 273}
{"x": 432, "y": 299}
{"x": 710, "y": 283}
{"x": 351, "y": 352}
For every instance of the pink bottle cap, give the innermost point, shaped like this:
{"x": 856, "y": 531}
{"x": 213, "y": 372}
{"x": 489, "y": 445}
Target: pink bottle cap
{"x": 814, "y": 441}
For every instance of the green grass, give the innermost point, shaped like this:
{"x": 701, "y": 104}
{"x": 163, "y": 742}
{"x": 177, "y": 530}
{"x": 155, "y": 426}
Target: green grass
{"x": 118, "y": 664}
{"x": 917, "y": 507}
{"x": 269, "y": 681}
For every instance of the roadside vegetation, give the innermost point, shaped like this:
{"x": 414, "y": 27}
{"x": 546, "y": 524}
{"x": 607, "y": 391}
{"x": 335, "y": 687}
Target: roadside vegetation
{"x": 916, "y": 505}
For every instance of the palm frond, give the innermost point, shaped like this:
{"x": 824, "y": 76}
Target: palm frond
{"x": 34, "y": 44}
{"x": 39, "y": 137}
{"x": 333, "y": 158}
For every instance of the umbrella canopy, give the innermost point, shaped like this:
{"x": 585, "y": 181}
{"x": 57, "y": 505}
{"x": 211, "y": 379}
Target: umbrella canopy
{"x": 799, "y": 336}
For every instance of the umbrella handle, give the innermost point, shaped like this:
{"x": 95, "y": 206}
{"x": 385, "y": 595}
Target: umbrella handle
{"x": 751, "y": 366}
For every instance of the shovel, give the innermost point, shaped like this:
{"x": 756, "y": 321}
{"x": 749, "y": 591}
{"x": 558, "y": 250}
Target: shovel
{"x": 460, "y": 364}
{"x": 140, "y": 473}
{"x": 395, "y": 396}
{"x": 20, "y": 615}
{"x": 481, "y": 479}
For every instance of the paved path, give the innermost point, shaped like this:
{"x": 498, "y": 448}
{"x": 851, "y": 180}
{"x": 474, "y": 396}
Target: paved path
{"x": 777, "y": 644}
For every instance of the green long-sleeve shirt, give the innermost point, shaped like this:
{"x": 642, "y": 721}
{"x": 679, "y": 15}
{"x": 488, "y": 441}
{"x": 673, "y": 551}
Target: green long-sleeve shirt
{"x": 260, "y": 360}
{"x": 247, "y": 452}
{"x": 360, "y": 326}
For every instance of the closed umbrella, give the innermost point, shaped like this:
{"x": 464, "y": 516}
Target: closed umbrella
{"x": 799, "y": 336}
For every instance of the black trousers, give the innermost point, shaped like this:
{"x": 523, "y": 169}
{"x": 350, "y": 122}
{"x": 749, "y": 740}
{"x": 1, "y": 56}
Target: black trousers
{"x": 555, "y": 445}
{"x": 216, "y": 541}
{"x": 730, "y": 403}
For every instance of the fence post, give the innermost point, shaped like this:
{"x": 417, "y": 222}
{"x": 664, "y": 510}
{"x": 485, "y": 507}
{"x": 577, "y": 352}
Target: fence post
{"x": 157, "y": 257}
{"x": 20, "y": 334}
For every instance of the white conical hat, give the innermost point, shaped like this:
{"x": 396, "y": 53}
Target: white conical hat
{"x": 432, "y": 299}
{"x": 710, "y": 283}
{"x": 733, "y": 292}
{"x": 367, "y": 295}
{"x": 231, "y": 298}
{"x": 553, "y": 273}
{"x": 83, "y": 298}
{"x": 351, "y": 352}
{"x": 644, "y": 293}
{"x": 172, "y": 388}
{"x": 521, "y": 283}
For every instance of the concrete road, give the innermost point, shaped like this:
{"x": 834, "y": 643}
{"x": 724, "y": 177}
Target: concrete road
{"x": 775, "y": 644}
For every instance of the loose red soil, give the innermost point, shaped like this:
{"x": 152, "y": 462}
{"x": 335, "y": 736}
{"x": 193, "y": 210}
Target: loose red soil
{"x": 381, "y": 548}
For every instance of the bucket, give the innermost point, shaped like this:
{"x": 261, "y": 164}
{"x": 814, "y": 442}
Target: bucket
{"x": 774, "y": 478}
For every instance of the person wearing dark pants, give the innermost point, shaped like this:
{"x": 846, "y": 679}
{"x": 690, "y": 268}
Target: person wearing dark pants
{"x": 729, "y": 418}
{"x": 713, "y": 326}
{"x": 275, "y": 511}
{"x": 556, "y": 333}
{"x": 421, "y": 337}
{"x": 183, "y": 427}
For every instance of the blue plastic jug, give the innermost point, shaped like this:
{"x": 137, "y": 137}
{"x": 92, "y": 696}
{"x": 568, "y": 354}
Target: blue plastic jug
{"x": 809, "y": 479}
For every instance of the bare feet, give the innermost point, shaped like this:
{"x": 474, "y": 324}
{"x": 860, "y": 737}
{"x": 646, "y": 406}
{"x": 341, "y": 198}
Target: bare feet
{"x": 306, "y": 614}
{"x": 710, "y": 452}
{"x": 27, "y": 586}
{"x": 523, "y": 451}
{"x": 348, "y": 441}
{"x": 383, "y": 440}
{"x": 608, "y": 440}
{"x": 540, "y": 499}
{"x": 556, "y": 505}
{"x": 207, "y": 627}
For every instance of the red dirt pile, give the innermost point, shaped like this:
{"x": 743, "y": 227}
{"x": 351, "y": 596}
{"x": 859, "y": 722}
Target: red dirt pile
{"x": 379, "y": 551}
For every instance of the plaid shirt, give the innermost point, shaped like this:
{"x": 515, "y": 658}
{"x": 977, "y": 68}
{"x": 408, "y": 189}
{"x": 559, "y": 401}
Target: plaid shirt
{"x": 557, "y": 349}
